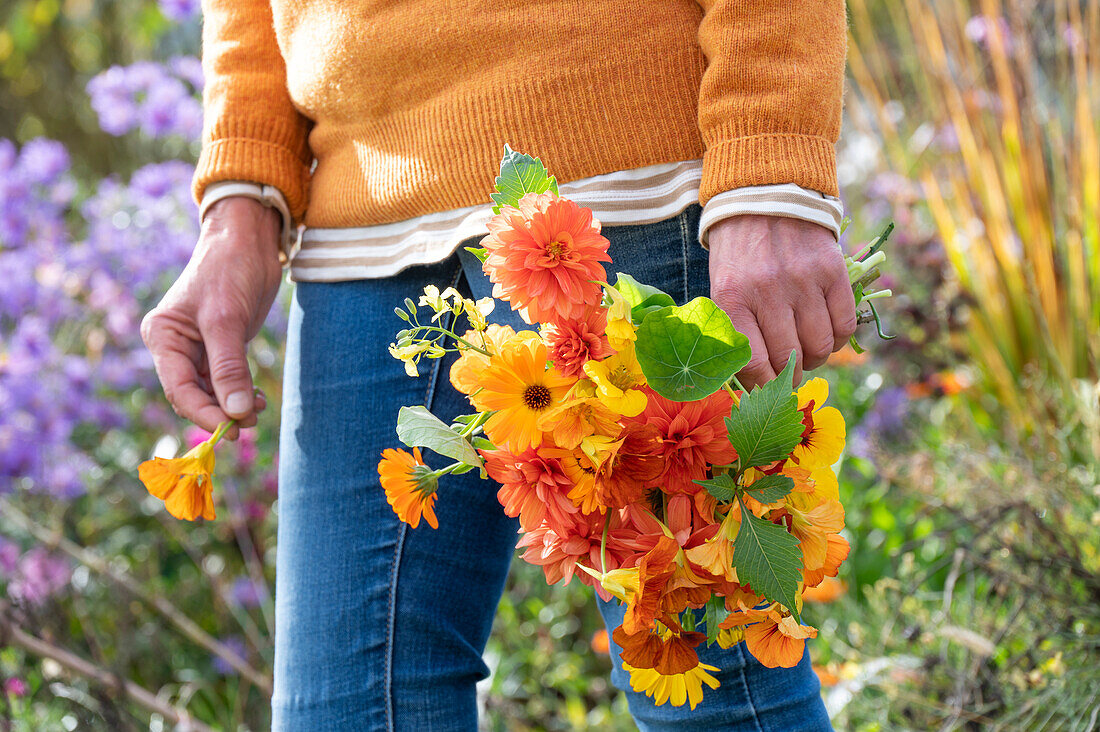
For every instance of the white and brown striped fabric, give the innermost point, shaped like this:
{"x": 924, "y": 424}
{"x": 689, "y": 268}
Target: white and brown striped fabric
{"x": 640, "y": 196}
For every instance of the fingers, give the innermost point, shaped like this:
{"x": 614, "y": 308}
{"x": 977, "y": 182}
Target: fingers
{"x": 226, "y": 344}
{"x": 175, "y": 359}
{"x": 815, "y": 332}
{"x": 781, "y": 336}
{"x": 841, "y": 304}
{"x": 759, "y": 369}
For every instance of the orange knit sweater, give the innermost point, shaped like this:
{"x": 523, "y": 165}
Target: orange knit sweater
{"x": 404, "y": 107}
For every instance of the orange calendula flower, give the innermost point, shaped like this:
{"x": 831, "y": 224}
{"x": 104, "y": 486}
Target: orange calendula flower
{"x": 185, "y": 484}
{"x": 466, "y": 371}
{"x": 409, "y": 485}
{"x": 519, "y": 388}
{"x": 823, "y": 437}
{"x": 544, "y": 257}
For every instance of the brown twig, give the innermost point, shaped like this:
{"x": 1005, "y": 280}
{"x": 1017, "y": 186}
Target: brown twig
{"x": 166, "y": 609}
{"x": 12, "y": 634}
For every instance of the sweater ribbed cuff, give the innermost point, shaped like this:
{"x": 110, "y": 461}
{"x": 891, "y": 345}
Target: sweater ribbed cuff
{"x": 804, "y": 160}
{"x": 254, "y": 160}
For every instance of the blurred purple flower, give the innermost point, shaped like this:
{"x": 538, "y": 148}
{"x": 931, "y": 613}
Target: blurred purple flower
{"x": 244, "y": 592}
{"x": 179, "y": 10}
{"x": 246, "y": 449}
{"x": 43, "y": 161}
{"x": 236, "y": 644}
{"x": 149, "y": 96}
{"x": 9, "y": 556}
{"x": 189, "y": 69}
{"x": 38, "y": 577}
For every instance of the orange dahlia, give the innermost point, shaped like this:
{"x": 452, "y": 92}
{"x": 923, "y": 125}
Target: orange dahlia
{"x": 409, "y": 485}
{"x": 693, "y": 437}
{"x": 519, "y": 388}
{"x": 544, "y": 258}
{"x": 533, "y": 486}
{"x": 572, "y": 343}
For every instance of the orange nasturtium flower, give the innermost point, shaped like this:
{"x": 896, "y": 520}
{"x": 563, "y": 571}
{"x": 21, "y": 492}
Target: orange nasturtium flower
{"x": 409, "y": 485}
{"x": 185, "y": 484}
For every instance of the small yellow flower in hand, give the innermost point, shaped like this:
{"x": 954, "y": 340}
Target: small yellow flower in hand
{"x": 185, "y": 484}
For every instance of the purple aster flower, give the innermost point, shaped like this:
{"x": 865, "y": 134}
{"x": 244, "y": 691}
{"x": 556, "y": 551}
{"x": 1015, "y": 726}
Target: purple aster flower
{"x": 157, "y": 113}
{"x": 43, "y": 161}
{"x": 244, "y": 592}
{"x": 188, "y": 68}
{"x": 9, "y": 556}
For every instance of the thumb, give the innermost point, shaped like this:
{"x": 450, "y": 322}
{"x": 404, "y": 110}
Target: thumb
{"x": 225, "y": 344}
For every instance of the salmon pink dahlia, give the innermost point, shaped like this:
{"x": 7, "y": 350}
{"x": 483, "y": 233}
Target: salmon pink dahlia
{"x": 544, "y": 258}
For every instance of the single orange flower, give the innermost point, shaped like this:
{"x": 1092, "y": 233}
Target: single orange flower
{"x": 185, "y": 484}
{"x": 409, "y": 485}
{"x": 778, "y": 644}
{"x": 519, "y": 388}
{"x": 573, "y": 343}
{"x": 544, "y": 258}
{"x": 466, "y": 371}
{"x": 836, "y": 551}
{"x": 828, "y": 591}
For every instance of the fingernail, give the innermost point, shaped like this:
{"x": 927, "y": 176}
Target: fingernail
{"x": 239, "y": 402}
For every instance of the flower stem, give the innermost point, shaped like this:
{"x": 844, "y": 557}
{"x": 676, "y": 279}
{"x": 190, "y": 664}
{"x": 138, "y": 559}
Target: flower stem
{"x": 222, "y": 428}
{"x": 603, "y": 542}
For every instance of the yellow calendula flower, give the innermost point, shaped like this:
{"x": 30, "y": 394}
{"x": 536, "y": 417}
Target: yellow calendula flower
{"x": 823, "y": 438}
{"x": 185, "y": 484}
{"x": 618, "y": 381}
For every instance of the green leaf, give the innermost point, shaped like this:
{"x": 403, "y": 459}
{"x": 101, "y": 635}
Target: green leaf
{"x": 689, "y": 352}
{"x": 519, "y": 175}
{"x": 767, "y": 559}
{"x": 770, "y": 488}
{"x": 643, "y": 298}
{"x": 714, "y": 614}
{"x": 417, "y": 427}
{"x": 480, "y": 252}
{"x": 766, "y": 426}
{"x": 722, "y": 487}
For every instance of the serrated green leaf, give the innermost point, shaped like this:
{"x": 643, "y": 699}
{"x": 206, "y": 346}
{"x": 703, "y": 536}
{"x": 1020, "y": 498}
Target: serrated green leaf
{"x": 643, "y": 298}
{"x": 766, "y": 426}
{"x": 417, "y": 427}
{"x": 770, "y": 488}
{"x": 689, "y": 352}
{"x": 723, "y": 487}
{"x": 768, "y": 559}
{"x": 519, "y": 175}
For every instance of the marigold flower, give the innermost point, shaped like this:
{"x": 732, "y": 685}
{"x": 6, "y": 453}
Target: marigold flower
{"x": 823, "y": 438}
{"x": 573, "y": 343}
{"x": 619, "y": 381}
{"x": 693, "y": 437}
{"x": 185, "y": 484}
{"x": 544, "y": 257}
{"x": 519, "y": 388}
{"x": 409, "y": 485}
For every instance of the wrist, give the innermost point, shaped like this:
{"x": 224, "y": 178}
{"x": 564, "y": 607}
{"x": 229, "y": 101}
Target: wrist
{"x": 240, "y": 222}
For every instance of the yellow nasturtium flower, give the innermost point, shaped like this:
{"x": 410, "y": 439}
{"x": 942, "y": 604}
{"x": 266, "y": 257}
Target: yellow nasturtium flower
{"x": 618, "y": 381}
{"x": 185, "y": 484}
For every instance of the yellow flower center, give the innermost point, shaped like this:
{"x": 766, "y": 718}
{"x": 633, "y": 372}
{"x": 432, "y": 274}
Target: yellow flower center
{"x": 536, "y": 397}
{"x": 556, "y": 249}
{"x": 621, "y": 378}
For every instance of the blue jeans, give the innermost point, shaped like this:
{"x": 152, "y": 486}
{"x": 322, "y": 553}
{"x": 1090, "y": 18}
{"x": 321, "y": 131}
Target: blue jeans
{"x": 382, "y": 627}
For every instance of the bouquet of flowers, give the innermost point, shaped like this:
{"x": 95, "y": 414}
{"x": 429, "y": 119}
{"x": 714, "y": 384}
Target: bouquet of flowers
{"x": 621, "y": 439}
{"x": 625, "y": 445}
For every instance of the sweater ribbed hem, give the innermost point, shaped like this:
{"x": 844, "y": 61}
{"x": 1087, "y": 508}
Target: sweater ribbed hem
{"x": 257, "y": 161}
{"x": 804, "y": 160}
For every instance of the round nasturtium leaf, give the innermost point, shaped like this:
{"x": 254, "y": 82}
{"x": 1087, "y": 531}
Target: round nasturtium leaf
{"x": 689, "y": 352}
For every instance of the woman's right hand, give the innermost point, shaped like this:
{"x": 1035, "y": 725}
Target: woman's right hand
{"x": 199, "y": 332}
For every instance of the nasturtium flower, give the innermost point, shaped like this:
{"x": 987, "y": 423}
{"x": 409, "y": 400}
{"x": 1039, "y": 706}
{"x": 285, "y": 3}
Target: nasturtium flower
{"x": 619, "y": 381}
{"x": 778, "y": 644}
{"x": 620, "y": 330}
{"x": 410, "y": 486}
{"x": 185, "y": 484}
{"x": 519, "y": 388}
{"x": 579, "y": 416}
{"x": 544, "y": 257}
{"x": 666, "y": 669}
{"x": 823, "y": 436}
